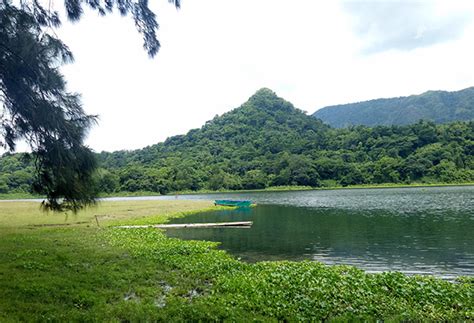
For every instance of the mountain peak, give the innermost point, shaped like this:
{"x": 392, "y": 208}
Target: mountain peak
{"x": 266, "y": 99}
{"x": 265, "y": 91}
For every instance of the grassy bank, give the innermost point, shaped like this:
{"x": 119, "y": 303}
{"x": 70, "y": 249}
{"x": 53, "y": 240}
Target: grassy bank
{"x": 326, "y": 186}
{"x": 64, "y": 267}
{"x": 17, "y": 196}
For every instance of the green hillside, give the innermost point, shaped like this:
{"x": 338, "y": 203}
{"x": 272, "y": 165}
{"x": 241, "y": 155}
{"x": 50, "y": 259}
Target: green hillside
{"x": 436, "y": 106}
{"x": 268, "y": 142}
{"x": 245, "y": 148}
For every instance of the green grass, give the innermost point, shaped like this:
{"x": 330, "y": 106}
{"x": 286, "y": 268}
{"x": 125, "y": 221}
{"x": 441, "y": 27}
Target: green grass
{"x": 17, "y": 196}
{"x": 20, "y": 214}
{"x": 326, "y": 185}
{"x": 63, "y": 267}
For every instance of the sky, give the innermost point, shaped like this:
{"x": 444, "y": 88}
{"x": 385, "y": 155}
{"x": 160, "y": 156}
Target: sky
{"x": 216, "y": 53}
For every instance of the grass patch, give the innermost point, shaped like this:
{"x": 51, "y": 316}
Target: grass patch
{"x": 326, "y": 185}
{"x": 80, "y": 272}
{"x": 17, "y": 196}
{"x": 28, "y": 213}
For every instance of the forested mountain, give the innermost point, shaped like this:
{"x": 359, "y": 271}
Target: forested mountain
{"x": 267, "y": 142}
{"x": 247, "y": 147}
{"x": 436, "y": 106}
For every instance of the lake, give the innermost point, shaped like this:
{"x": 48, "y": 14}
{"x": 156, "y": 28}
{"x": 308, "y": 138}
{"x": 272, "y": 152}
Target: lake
{"x": 413, "y": 230}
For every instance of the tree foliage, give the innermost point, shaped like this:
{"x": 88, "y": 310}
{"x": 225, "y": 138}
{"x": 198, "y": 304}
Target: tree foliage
{"x": 267, "y": 142}
{"x": 143, "y": 16}
{"x": 436, "y": 106}
{"x": 35, "y": 104}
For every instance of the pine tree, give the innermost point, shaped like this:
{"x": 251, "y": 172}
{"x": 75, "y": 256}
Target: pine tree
{"x": 34, "y": 102}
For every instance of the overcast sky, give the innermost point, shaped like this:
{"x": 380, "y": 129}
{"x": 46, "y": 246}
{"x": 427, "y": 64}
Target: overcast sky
{"x": 216, "y": 53}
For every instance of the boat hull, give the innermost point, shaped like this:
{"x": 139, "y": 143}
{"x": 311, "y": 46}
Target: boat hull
{"x": 244, "y": 203}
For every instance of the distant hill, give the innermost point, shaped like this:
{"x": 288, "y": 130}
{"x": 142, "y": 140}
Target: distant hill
{"x": 436, "y": 106}
{"x": 268, "y": 142}
{"x": 236, "y": 150}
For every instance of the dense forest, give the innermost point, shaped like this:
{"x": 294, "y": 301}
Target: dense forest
{"x": 436, "y": 106}
{"x": 267, "y": 142}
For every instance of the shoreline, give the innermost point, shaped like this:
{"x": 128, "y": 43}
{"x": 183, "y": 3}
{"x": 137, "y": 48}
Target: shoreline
{"x": 328, "y": 188}
{"x": 175, "y": 279}
{"x": 20, "y": 197}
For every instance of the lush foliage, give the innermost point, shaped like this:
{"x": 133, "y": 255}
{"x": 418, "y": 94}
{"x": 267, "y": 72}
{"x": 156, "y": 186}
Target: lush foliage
{"x": 436, "y": 106}
{"x": 35, "y": 105}
{"x": 78, "y": 272}
{"x": 16, "y": 174}
{"x": 268, "y": 143}
{"x": 143, "y": 16}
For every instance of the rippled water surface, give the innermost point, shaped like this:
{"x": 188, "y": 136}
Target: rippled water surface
{"x": 413, "y": 230}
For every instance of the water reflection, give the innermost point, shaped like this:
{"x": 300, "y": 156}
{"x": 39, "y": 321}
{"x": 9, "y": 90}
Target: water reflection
{"x": 409, "y": 230}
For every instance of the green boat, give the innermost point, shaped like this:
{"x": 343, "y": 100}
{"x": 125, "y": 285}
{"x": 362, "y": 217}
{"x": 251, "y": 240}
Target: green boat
{"x": 243, "y": 203}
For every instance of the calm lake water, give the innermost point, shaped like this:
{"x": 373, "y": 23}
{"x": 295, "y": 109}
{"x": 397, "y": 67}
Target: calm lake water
{"x": 412, "y": 230}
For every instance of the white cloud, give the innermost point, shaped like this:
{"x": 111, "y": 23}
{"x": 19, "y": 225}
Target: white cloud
{"x": 406, "y": 25}
{"x": 215, "y": 54}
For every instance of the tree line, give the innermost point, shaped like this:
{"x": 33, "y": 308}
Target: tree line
{"x": 267, "y": 142}
{"x": 436, "y": 106}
